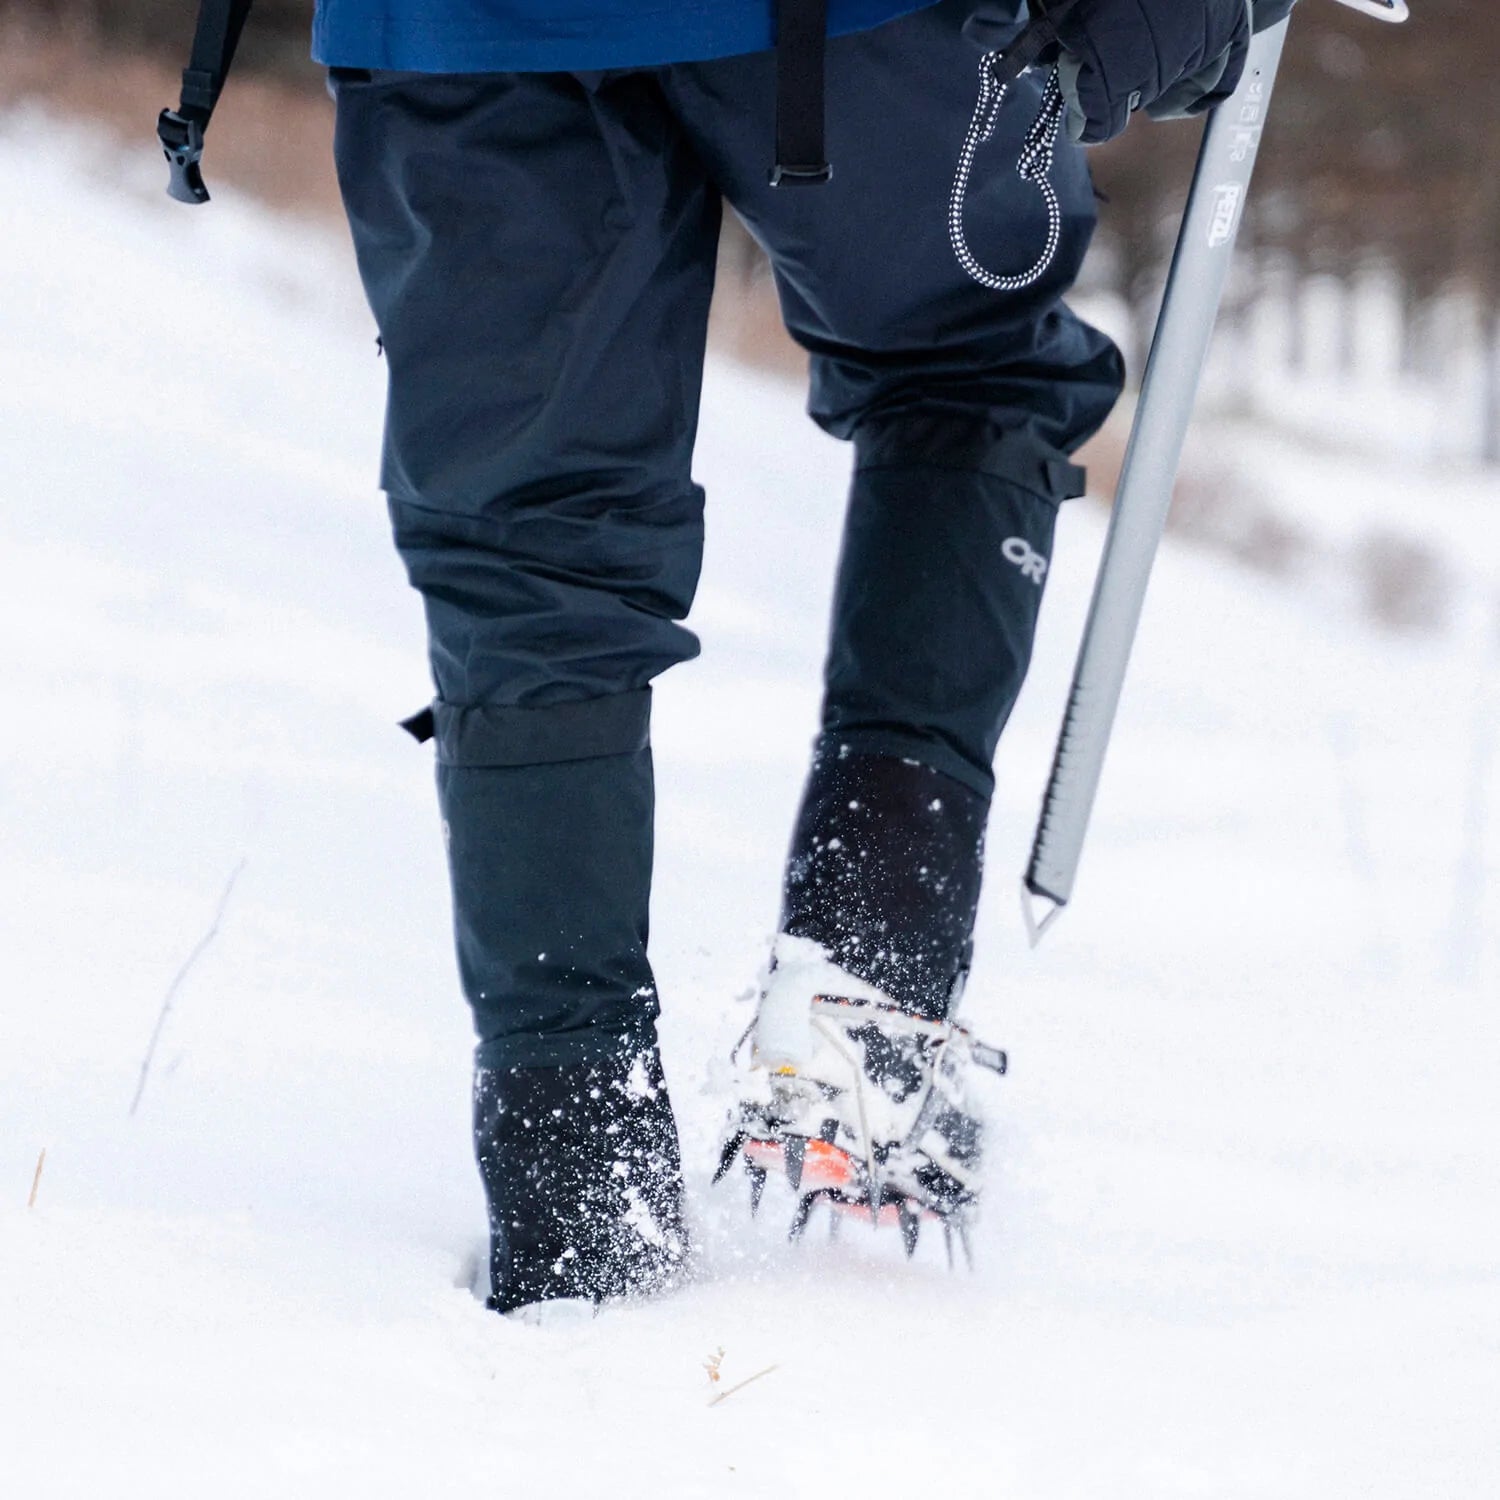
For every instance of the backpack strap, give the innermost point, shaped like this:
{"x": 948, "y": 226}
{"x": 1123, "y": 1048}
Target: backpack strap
{"x": 180, "y": 130}
{"x": 801, "y": 36}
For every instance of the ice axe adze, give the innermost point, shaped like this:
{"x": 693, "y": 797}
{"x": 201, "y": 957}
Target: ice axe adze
{"x": 1195, "y": 287}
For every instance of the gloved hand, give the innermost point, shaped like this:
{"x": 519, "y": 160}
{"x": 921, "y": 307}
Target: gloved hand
{"x": 1172, "y": 57}
{"x": 1194, "y": 94}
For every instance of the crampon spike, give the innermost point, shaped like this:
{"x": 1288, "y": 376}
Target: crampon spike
{"x": 800, "y": 1218}
{"x": 757, "y": 1176}
{"x": 794, "y": 1154}
{"x": 911, "y": 1227}
{"x": 728, "y": 1154}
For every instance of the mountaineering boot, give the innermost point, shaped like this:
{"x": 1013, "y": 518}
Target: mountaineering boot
{"x": 583, "y": 1178}
{"x": 884, "y": 873}
{"x": 858, "y": 1088}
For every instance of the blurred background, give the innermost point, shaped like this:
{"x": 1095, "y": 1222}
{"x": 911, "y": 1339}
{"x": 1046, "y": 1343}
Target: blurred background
{"x": 1246, "y": 1230}
{"x": 1365, "y": 308}
{"x": 1380, "y": 179}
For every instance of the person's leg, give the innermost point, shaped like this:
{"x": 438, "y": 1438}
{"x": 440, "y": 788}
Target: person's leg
{"x": 538, "y": 251}
{"x": 964, "y": 406}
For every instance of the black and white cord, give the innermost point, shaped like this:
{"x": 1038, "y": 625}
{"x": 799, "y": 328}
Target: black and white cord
{"x": 1034, "y": 166}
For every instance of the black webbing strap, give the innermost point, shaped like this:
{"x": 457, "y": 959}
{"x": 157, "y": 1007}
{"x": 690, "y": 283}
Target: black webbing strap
{"x": 180, "y": 130}
{"x": 422, "y": 725}
{"x": 801, "y": 35}
{"x": 1039, "y": 37}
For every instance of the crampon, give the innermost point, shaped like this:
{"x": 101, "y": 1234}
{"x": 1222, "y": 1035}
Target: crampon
{"x": 874, "y": 1123}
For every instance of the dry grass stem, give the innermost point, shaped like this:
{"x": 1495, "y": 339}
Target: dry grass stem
{"x": 726, "y": 1394}
{"x": 166, "y": 1005}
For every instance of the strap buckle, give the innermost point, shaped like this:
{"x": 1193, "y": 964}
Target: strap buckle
{"x": 782, "y": 175}
{"x": 181, "y": 138}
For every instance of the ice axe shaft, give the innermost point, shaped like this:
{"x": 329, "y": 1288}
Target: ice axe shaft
{"x": 1195, "y": 288}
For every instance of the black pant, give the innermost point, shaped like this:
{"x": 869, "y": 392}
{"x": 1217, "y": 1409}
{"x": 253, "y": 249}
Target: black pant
{"x": 539, "y": 253}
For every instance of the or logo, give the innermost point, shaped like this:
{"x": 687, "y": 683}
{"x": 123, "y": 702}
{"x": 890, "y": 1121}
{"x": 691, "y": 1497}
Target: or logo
{"x": 1226, "y": 217}
{"x": 1017, "y": 550}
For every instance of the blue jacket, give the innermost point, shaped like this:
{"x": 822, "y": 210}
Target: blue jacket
{"x": 515, "y": 36}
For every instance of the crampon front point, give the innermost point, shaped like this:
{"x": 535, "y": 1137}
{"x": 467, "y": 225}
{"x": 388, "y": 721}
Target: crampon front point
{"x": 876, "y": 1125}
{"x": 823, "y": 1174}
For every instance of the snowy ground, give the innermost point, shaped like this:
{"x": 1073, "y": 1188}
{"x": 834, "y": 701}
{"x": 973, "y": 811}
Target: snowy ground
{"x": 1243, "y": 1229}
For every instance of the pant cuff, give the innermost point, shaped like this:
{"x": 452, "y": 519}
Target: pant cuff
{"x": 907, "y": 744}
{"x": 945, "y": 440}
{"x": 489, "y": 734}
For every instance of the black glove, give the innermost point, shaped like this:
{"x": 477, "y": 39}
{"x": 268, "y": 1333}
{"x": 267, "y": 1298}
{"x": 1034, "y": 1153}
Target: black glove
{"x": 1200, "y": 91}
{"x": 1172, "y": 57}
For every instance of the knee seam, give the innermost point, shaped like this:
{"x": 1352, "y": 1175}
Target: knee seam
{"x": 943, "y": 441}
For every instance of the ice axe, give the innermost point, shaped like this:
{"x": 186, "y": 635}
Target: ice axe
{"x": 1195, "y": 288}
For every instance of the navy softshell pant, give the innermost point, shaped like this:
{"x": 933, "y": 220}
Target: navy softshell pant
{"x": 539, "y": 253}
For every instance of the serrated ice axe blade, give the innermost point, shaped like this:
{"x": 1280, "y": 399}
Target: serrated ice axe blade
{"x": 1190, "y": 306}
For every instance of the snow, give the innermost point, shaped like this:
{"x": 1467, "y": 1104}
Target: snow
{"x": 1242, "y": 1238}
{"x": 783, "y": 1021}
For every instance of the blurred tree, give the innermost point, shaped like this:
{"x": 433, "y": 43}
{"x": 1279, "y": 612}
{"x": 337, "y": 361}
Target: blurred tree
{"x": 1383, "y": 149}
{"x": 276, "y": 40}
